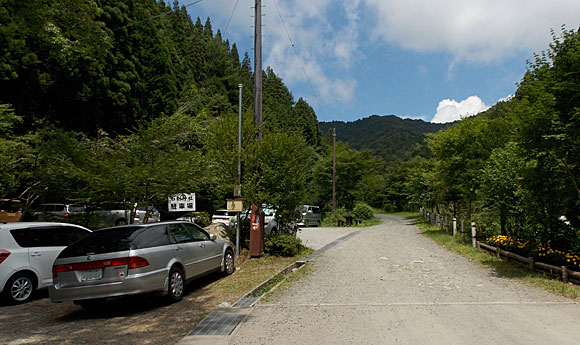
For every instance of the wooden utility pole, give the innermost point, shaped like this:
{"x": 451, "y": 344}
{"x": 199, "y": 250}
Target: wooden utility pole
{"x": 333, "y": 169}
{"x": 258, "y": 69}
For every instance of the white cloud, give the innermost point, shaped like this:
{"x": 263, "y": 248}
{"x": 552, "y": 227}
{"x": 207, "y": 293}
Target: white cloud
{"x": 326, "y": 49}
{"x": 450, "y": 110}
{"x": 475, "y": 30}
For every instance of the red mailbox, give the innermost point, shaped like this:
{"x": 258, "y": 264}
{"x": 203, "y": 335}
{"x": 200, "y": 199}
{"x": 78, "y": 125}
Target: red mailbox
{"x": 257, "y": 232}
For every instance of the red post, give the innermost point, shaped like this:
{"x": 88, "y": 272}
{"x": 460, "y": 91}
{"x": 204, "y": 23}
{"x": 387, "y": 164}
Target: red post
{"x": 257, "y": 232}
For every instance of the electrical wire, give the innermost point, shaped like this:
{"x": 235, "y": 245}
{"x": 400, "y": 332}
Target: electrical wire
{"x": 300, "y": 61}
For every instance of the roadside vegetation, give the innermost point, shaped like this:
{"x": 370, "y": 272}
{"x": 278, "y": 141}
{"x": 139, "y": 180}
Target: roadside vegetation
{"x": 515, "y": 168}
{"x": 130, "y": 110}
{"x": 508, "y": 269}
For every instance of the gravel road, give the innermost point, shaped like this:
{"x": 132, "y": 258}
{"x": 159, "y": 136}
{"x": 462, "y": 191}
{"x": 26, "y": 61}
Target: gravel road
{"x": 390, "y": 285}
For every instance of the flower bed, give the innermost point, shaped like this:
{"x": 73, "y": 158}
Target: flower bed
{"x": 539, "y": 252}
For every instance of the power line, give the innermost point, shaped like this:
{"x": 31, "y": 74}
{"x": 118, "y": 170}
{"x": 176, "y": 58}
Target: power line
{"x": 300, "y": 61}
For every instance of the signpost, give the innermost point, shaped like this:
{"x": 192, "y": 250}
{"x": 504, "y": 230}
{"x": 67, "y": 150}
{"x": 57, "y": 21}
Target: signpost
{"x": 182, "y": 202}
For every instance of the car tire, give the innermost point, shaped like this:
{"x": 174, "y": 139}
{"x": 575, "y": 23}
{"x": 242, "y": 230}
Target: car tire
{"x": 19, "y": 288}
{"x": 229, "y": 263}
{"x": 121, "y": 221}
{"x": 176, "y": 285}
{"x": 306, "y": 223}
{"x": 318, "y": 224}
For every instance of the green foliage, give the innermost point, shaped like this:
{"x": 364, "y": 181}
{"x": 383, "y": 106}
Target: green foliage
{"x": 363, "y": 211}
{"x": 359, "y": 176}
{"x": 282, "y": 245}
{"x": 515, "y": 168}
{"x": 276, "y": 173}
{"x": 393, "y": 139}
{"x": 333, "y": 218}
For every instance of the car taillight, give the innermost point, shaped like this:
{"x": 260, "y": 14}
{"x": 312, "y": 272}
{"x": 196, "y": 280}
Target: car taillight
{"x": 132, "y": 262}
{"x": 3, "y": 255}
{"x": 137, "y": 262}
{"x": 66, "y": 214}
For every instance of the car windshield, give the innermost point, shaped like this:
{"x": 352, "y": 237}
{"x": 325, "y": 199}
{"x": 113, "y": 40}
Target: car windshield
{"x": 103, "y": 241}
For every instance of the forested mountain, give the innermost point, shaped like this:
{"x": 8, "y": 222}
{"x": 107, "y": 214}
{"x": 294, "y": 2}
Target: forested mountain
{"x": 109, "y": 64}
{"x": 390, "y": 137}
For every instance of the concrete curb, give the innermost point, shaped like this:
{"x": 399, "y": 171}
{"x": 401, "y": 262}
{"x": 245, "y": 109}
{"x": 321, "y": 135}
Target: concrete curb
{"x": 247, "y": 302}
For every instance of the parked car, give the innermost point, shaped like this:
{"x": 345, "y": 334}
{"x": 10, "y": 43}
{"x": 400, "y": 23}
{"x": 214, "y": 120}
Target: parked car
{"x": 224, "y": 216}
{"x": 271, "y": 224}
{"x": 136, "y": 259}
{"x": 10, "y": 210}
{"x": 27, "y": 252}
{"x": 310, "y": 215}
{"x": 120, "y": 216}
{"x": 55, "y": 211}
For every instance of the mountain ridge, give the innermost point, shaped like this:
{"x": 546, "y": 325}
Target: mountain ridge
{"x": 393, "y": 138}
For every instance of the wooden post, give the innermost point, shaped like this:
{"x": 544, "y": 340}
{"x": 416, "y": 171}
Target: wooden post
{"x": 564, "y": 274}
{"x": 462, "y": 231}
{"x": 446, "y": 225}
{"x": 498, "y": 252}
{"x": 454, "y": 226}
{"x": 441, "y": 222}
{"x": 531, "y": 263}
{"x": 473, "y": 234}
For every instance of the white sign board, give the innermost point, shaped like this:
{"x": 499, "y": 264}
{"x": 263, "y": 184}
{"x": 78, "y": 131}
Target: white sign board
{"x": 182, "y": 202}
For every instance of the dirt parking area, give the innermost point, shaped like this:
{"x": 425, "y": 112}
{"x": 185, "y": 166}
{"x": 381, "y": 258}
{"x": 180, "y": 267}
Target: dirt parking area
{"x": 138, "y": 320}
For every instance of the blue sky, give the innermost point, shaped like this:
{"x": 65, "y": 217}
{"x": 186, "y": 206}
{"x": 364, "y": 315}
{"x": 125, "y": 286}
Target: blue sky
{"x": 434, "y": 60}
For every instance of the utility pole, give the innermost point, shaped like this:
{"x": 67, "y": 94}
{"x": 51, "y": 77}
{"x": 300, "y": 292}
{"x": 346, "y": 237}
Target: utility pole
{"x": 240, "y": 86}
{"x": 258, "y": 69}
{"x": 333, "y": 169}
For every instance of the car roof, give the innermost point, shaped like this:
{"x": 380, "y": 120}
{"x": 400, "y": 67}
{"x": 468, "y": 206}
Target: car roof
{"x": 20, "y": 225}
{"x": 146, "y": 225}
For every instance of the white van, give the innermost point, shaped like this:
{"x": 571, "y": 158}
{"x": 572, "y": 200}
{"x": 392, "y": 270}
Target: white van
{"x": 310, "y": 215}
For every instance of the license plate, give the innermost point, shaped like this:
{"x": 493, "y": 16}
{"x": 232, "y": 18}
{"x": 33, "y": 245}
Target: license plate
{"x": 88, "y": 275}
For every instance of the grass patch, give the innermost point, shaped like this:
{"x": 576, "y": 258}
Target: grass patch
{"x": 508, "y": 269}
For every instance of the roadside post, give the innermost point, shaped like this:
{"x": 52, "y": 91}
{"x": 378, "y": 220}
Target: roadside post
{"x": 257, "y": 232}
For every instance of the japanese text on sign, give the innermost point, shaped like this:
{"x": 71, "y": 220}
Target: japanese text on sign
{"x": 182, "y": 202}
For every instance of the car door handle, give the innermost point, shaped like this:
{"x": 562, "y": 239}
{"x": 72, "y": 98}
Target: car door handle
{"x": 35, "y": 254}
{"x": 178, "y": 248}
{"x": 202, "y": 245}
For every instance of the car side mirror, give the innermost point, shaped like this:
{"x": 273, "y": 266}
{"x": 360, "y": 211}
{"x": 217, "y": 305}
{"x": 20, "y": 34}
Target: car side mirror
{"x": 212, "y": 237}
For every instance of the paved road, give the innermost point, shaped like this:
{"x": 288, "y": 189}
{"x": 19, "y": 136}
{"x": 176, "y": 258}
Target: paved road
{"x": 390, "y": 285}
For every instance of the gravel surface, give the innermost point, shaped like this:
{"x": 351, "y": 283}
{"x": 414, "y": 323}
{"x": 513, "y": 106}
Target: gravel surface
{"x": 390, "y": 285}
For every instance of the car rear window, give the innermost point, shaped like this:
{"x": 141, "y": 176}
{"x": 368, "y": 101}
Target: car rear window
{"x": 103, "y": 241}
{"x": 47, "y": 236}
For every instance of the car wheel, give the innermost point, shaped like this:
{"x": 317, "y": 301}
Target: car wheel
{"x": 306, "y": 223}
{"x": 19, "y": 288}
{"x": 121, "y": 221}
{"x": 176, "y": 285}
{"x": 229, "y": 266}
{"x": 319, "y": 223}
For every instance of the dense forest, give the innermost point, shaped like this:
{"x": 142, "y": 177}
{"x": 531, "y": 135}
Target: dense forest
{"x": 112, "y": 101}
{"x": 390, "y": 137}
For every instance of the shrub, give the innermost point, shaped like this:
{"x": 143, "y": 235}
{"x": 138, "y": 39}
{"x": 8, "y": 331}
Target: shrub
{"x": 332, "y": 218}
{"x": 363, "y": 211}
{"x": 282, "y": 245}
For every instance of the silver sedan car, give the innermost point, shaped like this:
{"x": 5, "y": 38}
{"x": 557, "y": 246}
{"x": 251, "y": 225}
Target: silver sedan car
{"x": 135, "y": 259}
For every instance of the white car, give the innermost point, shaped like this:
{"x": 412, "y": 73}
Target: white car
{"x": 224, "y": 216}
{"x": 27, "y": 252}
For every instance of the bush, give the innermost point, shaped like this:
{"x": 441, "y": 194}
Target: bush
{"x": 332, "y": 218}
{"x": 282, "y": 245}
{"x": 363, "y": 211}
